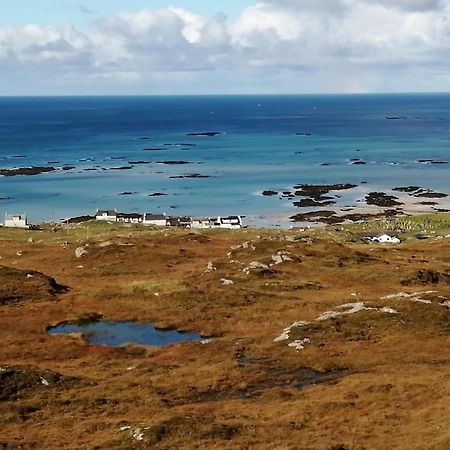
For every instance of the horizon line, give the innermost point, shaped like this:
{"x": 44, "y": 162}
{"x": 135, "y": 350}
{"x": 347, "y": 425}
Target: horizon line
{"x": 305, "y": 94}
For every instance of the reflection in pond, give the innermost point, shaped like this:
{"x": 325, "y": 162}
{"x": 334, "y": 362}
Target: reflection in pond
{"x": 117, "y": 333}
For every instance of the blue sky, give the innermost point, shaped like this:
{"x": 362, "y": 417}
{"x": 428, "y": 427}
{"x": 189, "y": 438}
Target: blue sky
{"x": 53, "y": 47}
{"x": 80, "y": 13}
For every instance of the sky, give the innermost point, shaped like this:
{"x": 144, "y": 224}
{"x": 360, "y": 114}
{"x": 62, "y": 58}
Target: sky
{"x": 147, "y": 47}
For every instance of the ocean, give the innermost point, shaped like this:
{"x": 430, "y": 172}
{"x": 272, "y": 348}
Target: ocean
{"x": 118, "y": 152}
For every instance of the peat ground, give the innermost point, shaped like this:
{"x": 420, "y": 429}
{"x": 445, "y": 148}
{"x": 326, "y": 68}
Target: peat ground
{"x": 312, "y": 340}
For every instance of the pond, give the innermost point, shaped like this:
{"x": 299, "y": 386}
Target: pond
{"x": 113, "y": 333}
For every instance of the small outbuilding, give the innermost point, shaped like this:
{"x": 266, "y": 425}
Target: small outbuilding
{"x": 109, "y": 215}
{"x": 200, "y": 222}
{"x": 155, "y": 219}
{"x": 384, "y": 238}
{"x": 16, "y": 221}
{"x": 230, "y": 222}
{"x": 130, "y": 218}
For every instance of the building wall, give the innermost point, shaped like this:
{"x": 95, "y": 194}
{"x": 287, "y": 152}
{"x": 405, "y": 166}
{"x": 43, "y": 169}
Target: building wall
{"x": 161, "y": 223}
{"x": 14, "y": 223}
{"x": 108, "y": 218}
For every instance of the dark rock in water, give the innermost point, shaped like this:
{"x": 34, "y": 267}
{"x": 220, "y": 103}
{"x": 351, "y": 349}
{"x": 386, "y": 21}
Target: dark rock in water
{"x": 139, "y": 162}
{"x": 52, "y": 162}
{"x": 407, "y": 189}
{"x": 382, "y": 199}
{"x": 314, "y": 189}
{"x": 128, "y": 193}
{"x": 145, "y": 138}
{"x": 121, "y": 168}
{"x": 152, "y": 149}
{"x": 206, "y": 133}
{"x": 174, "y": 162}
{"x": 303, "y": 134}
{"x": 317, "y": 191}
{"x": 431, "y": 161}
{"x": 309, "y": 202}
{"x": 357, "y": 162}
{"x": 5, "y": 198}
{"x": 431, "y": 194}
{"x": 191, "y": 175}
{"x": 269, "y": 193}
{"x": 68, "y": 167}
{"x": 36, "y": 170}
{"x": 325, "y": 164}
{"x": 196, "y": 175}
{"x": 396, "y": 118}
{"x": 156, "y": 194}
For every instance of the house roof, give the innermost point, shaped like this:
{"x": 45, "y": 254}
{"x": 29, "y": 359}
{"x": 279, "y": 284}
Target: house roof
{"x": 376, "y": 235}
{"x": 15, "y": 216}
{"x": 149, "y": 216}
{"x": 108, "y": 212}
{"x": 203, "y": 219}
{"x": 235, "y": 219}
{"x": 232, "y": 217}
{"x": 129, "y": 215}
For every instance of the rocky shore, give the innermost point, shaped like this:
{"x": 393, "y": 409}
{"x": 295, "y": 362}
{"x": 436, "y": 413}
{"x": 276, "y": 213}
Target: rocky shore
{"x": 366, "y": 206}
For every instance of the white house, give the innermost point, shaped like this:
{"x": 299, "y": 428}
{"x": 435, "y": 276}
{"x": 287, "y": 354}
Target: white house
{"x": 200, "y": 222}
{"x": 384, "y": 238}
{"x": 130, "y": 217}
{"x": 16, "y": 221}
{"x": 230, "y": 222}
{"x": 155, "y": 219}
{"x": 106, "y": 214}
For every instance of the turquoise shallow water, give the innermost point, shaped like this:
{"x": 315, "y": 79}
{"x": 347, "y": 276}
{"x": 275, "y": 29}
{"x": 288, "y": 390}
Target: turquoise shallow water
{"x": 259, "y": 148}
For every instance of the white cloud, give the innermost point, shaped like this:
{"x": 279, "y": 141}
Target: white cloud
{"x": 328, "y": 45}
{"x": 411, "y": 5}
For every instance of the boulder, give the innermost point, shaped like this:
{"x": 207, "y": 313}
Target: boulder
{"x": 80, "y": 252}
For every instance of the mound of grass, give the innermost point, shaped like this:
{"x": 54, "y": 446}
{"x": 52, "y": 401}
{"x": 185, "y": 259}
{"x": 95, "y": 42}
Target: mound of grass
{"x": 160, "y": 286}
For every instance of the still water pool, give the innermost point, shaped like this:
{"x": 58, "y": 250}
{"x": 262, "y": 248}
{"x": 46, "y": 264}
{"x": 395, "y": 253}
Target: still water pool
{"x": 113, "y": 334}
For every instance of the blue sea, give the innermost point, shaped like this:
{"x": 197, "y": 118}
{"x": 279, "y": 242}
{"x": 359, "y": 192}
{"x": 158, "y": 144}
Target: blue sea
{"x": 265, "y": 143}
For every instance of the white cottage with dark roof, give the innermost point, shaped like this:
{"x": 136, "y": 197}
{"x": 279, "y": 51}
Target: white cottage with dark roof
{"x": 155, "y": 219}
{"x": 230, "y": 222}
{"x": 109, "y": 215}
{"x": 16, "y": 221}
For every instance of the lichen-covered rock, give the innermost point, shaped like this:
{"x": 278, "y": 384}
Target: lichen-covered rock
{"x": 80, "y": 252}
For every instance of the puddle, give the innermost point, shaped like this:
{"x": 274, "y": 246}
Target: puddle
{"x": 298, "y": 379}
{"x": 114, "y": 334}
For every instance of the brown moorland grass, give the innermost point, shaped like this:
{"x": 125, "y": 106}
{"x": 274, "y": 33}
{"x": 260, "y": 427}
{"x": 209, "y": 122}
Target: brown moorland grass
{"x": 367, "y": 380}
